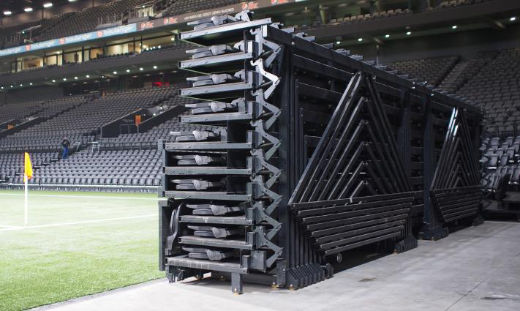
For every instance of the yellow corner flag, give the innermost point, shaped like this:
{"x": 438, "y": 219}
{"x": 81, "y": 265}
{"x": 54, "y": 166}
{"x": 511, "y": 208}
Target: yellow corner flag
{"x": 28, "y": 174}
{"x": 28, "y": 166}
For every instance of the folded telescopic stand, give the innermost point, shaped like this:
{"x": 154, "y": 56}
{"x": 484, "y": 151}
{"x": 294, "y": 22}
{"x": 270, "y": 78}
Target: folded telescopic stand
{"x": 313, "y": 152}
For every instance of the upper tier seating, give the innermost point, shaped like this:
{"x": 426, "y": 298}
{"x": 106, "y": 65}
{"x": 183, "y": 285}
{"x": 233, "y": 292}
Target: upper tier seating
{"x": 465, "y": 70}
{"x": 490, "y": 80}
{"x": 430, "y": 70}
{"x": 118, "y": 161}
{"x": 177, "y": 7}
{"x": 496, "y": 88}
{"x": 44, "y": 109}
{"x": 56, "y": 106}
{"x": 91, "y": 115}
{"x": 18, "y": 111}
{"x": 12, "y": 36}
{"x": 88, "y": 19}
{"x": 78, "y": 118}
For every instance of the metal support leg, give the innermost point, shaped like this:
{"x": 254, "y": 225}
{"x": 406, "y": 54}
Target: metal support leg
{"x": 236, "y": 283}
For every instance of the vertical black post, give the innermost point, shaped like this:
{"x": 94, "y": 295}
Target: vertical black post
{"x": 475, "y": 125}
{"x": 432, "y": 227}
{"x": 404, "y": 145}
{"x": 403, "y": 133}
{"x": 285, "y": 98}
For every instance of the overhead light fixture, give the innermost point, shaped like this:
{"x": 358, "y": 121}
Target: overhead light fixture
{"x": 141, "y": 68}
{"x": 53, "y": 81}
{"x": 154, "y": 67}
{"x": 511, "y": 19}
{"x": 338, "y": 42}
{"x": 7, "y": 12}
{"x": 172, "y": 39}
{"x": 408, "y": 33}
{"x": 64, "y": 79}
{"x": 2, "y": 87}
{"x": 360, "y": 39}
{"x": 87, "y": 76}
{"x": 75, "y": 78}
{"x": 387, "y": 36}
{"x": 72, "y": 0}
{"x": 47, "y": 5}
{"x": 128, "y": 70}
{"x": 21, "y": 84}
{"x": 30, "y": 83}
{"x": 115, "y": 72}
{"x": 454, "y": 27}
{"x": 28, "y": 9}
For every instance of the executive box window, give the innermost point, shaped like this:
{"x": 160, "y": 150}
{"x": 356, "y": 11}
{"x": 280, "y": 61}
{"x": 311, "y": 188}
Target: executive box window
{"x": 72, "y": 57}
{"x": 87, "y": 53}
{"x": 53, "y": 60}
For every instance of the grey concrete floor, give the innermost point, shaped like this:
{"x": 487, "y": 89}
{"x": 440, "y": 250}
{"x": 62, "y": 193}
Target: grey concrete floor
{"x": 477, "y": 268}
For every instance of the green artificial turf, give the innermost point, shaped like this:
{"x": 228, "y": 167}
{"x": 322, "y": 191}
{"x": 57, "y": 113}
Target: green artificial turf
{"x": 75, "y": 244}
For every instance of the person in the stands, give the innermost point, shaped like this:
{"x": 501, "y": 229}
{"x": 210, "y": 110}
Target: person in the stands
{"x": 65, "y": 144}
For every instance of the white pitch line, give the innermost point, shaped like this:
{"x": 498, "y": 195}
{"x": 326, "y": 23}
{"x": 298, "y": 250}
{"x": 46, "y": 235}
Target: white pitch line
{"x": 9, "y": 227}
{"x": 76, "y": 223}
{"x": 78, "y": 196}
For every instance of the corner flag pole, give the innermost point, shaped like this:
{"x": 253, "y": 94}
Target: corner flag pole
{"x": 26, "y": 209}
{"x": 28, "y": 173}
